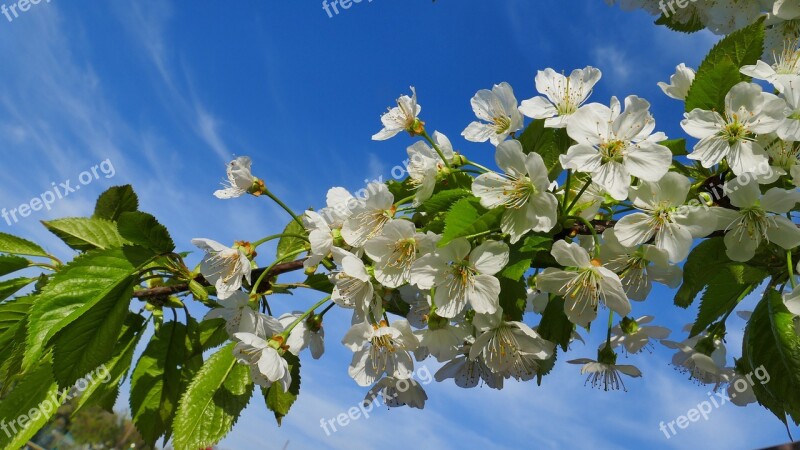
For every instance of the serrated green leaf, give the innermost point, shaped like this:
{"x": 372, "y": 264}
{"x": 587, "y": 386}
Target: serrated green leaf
{"x": 115, "y": 201}
{"x": 466, "y": 218}
{"x": 290, "y": 244}
{"x": 12, "y": 338}
{"x": 280, "y": 401}
{"x": 443, "y": 201}
{"x": 213, "y": 402}
{"x": 14, "y": 245}
{"x": 10, "y": 287}
{"x": 693, "y": 25}
{"x": 211, "y": 334}
{"x": 84, "y": 234}
{"x": 550, "y": 143}
{"x": 319, "y": 282}
{"x": 719, "y": 71}
{"x": 708, "y": 257}
{"x": 11, "y": 263}
{"x": 36, "y": 389}
{"x": 90, "y": 339}
{"x": 709, "y": 91}
{"x": 401, "y": 190}
{"x": 546, "y": 366}
{"x": 103, "y": 392}
{"x": 555, "y": 326}
{"x": 676, "y": 146}
{"x": 725, "y": 290}
{"x": 513, "y": 298}
{"x": 156, "y": 382}
{"x": 78, "y": 287}
{"x": 144, "y": 230}
{"x": 771, "y": 343}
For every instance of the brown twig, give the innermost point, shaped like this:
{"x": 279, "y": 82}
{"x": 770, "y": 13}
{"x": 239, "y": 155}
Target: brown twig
{"x": 166, "y": 291}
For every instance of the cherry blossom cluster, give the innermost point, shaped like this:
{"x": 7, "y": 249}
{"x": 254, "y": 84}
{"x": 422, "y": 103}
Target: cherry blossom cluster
{"x": 617, "y": 167}
{"x": 726, "y": 16}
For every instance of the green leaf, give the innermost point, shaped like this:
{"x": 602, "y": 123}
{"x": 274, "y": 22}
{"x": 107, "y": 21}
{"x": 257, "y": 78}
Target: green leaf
{"x": 101, "y": 391}
{"x": 676, "y": 146}
{"x": 280, "y": 401}
{"x": 156, "y": 382}
{"x": 115, "y": 201}
{"x": 719, "y": 71}
{"x": 86, "y": 234}
{"x": 550, "y": 143}
{"x": 442, "y": 201}
{"x": 17, "y": 246}
{"x": 85, "y": 282}
{"x": 467, "y": 217}
{"x": 319, "y": 282}
{"x": 213, "y": 402}
{"x": 12, "y": 313}
{"x": 709, "y": 91}
{"x": 89, "y": 341}
{"x": 289, "y": 244}
{"x": 523, "y": 253}
{"x": 546, "y": 366}
{"x": 144, "y": 230}
{"x": 10, "y": 264}
{"x": 708, "y": 257}
{"x": 12, "y": 337}
{"x": 35, "y": 390}
{"x": 725, "y": 290}
{"x": 212, "y": 334}
{"x": 10, "y": 287}
{"x": 693, "y": 25}
{"x": 401, "y": 190}
{"x": 555, "y": 326}
{"x": 513, "y": 298}
{"x": 771, "y": 344}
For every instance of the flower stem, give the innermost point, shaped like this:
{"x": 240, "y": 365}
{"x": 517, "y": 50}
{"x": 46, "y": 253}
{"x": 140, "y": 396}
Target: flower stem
{"x": 436, "y": 147}
{"x": 289, "y": 329}
{"x": 272, "y": 266}
{"x": 474, "y": 164}
{"x": 405, "y": 200}
{"x": 278, "y": 236}
{"x": 790, "y": 266}
{"x": 564, "y": 207}
{"x": 327, "y": 308}
{"x": 591, "y": 230}
{"x": 577, "y": 197}
{"x": 610, "y": 325}
{"x": 283, "y": 205}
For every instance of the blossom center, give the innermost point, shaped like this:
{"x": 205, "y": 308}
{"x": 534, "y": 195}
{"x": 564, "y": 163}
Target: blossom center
{"x": 612, "y": 150}
{"x": 501, "y": 124}
{"x": 403, "y": 254}
{"x": 735, "y": 131}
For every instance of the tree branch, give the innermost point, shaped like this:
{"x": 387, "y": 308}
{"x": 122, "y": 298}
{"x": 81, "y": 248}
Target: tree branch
{"x": 166, "y": 291}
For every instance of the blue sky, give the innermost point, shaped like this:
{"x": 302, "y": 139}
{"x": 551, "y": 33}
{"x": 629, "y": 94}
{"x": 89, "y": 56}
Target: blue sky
{"x": 169, "y": 92}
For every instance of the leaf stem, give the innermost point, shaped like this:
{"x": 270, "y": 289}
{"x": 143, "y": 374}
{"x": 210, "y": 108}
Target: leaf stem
{"x": 790, "y": 266}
